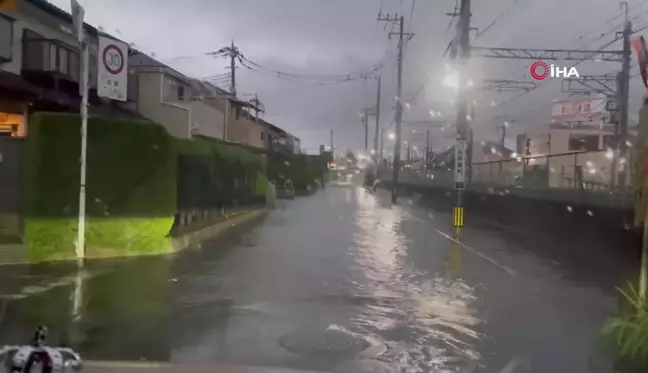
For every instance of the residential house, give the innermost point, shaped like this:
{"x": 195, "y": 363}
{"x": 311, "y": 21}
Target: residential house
{"x": 183, "y": 105}
{"x": 244, "y": 128}
{"x": 40, "y": 70}
{"x": 39, "y": 63}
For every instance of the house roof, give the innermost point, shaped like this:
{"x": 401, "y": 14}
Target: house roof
{"x": 142, "y": 60}
{"x": 58, "y": 13}
{"x": 273, "y": 128}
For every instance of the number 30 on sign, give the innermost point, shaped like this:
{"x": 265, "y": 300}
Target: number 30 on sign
{"x": 113, "y": 69}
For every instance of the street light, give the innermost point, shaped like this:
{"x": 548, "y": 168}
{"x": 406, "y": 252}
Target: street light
{"x": 392, "y": 136}
{"x": 451, "y": 80}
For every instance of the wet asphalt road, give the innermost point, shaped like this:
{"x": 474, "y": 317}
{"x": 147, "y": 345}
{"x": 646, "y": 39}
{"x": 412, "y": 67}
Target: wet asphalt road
{"x": 339, "y": 281}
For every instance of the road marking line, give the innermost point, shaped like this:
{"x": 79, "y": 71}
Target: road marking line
{"x": 48, "y": 285}
{"x": 486, "y": 258}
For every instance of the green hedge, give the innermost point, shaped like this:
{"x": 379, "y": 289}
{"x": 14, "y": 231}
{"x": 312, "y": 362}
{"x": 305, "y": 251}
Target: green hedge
{"x": 213, "y": 174}
{"x": 131, "y": 187}
{"x": 282, "y": 167}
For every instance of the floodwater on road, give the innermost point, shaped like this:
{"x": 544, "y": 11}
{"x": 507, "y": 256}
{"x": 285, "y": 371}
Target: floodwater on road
{"x": 339, "y": 281}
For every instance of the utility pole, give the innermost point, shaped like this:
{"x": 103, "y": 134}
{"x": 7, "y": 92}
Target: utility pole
{"x": 427, "y": 149}
{"x": 332, "y": 147}
{"x": 382, "y": 145}
{"x": 462, "y": 124}
{"x": 402, "y": 36}
{"x": 233, "y": 53}
{"x": 624, "y": 96}
{"x": 365, "y": 124}
{"x": 502, "y": 147}
{"x": 377, "y": 119}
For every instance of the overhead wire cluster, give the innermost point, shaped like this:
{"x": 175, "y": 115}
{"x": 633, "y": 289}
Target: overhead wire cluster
{"x": 597, "y": 50}
{"x": 315, "y": 79}
{"x": 312, "y": 79}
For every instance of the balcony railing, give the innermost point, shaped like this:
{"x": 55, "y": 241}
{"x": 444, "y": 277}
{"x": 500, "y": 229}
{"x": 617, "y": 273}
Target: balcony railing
{"x": 51, "y": 56}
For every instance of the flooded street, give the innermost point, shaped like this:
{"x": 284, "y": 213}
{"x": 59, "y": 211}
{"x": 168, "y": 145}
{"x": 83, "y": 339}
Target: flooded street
{"x": 339, "y": 281}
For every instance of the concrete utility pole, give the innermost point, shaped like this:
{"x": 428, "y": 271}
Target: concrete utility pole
{"x": 233, "y": 53}
{"x": 427, "y": 148}
{"x": 462, "y": 102}
{"x": 332, "y": 147}
{"x": 377, "y": 119}
{"x": 382, "y": 145}
{"x": 365, "y": 124}
{"x": 402, "y": 38}
{"x": 624, "y": 97}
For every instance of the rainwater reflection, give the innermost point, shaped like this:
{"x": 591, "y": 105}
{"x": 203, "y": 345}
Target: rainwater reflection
{"x": 339, "y": 281}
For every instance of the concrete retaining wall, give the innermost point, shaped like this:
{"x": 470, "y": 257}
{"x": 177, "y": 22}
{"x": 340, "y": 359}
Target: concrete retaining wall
{"x": 533, "y": 215}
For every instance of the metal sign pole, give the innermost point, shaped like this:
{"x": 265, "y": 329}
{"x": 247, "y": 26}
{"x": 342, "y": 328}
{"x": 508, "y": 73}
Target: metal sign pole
{"x": 77, "y": 16}
{"x": 80, "y": 243}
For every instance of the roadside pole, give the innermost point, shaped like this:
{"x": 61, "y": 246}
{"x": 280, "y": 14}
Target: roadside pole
{"x": 643, "y": 271}
{"x": 78, "y": 14}
{"x": 377, "y": 133}
{"x": 402, "y": 38}
{"x": 461, "y": 161}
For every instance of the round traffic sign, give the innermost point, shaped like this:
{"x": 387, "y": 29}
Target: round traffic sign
{"x": 113, "y": 59}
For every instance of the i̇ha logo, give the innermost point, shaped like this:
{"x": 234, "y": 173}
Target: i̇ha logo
{"x": 540, "y": 71}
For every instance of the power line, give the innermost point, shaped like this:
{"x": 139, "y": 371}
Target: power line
{"x": 497, "y": 19}
{"x": 573, "y": 65}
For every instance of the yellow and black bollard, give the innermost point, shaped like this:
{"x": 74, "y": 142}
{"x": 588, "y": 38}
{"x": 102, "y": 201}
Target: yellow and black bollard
{"x": 458, "y": 217}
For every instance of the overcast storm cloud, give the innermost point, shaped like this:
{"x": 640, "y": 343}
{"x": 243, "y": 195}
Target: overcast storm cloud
{"x": 327, "y": 37}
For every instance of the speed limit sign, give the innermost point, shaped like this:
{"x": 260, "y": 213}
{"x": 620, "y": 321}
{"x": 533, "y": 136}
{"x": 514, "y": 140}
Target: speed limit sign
{"x": 112, "y": 67}
{"x": 113, "y": 59}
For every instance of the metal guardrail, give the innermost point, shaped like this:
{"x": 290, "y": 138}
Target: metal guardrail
{"x": 577, "y": 170}
{"x": 577, "y": 176}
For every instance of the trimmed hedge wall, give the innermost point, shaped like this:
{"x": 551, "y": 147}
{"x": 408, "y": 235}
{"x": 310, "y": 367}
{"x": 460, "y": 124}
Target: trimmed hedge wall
{"x": 215, "y": 175}
{"x": 296, "y": 168}
{"x": 138, "y": 179}
{"x": 131, "y": 187}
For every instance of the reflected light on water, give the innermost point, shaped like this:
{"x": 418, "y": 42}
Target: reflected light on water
{"x": 427, "y": 322}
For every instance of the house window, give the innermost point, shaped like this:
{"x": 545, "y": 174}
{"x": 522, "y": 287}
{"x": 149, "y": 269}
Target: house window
{"x": 6, "y": 38}
{"x": 181, "y": 92}
{"x": 63, "y": 61}
{"x": 52, "y": 57}
{"x": 583, "y": 142}
{"x": 262, "y": 136}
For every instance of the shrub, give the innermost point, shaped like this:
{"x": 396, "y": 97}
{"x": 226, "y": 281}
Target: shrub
{"x": 626, "y": 334}
{"x": 130, "y": 187}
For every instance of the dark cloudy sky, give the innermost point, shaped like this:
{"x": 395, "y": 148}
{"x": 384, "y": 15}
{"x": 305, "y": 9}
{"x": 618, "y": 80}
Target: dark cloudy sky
{"x": 330, "y": 37}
